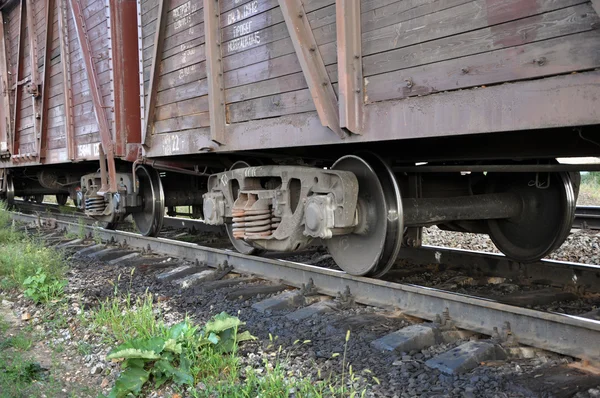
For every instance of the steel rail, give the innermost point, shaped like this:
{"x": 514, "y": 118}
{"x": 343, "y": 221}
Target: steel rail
{"x": 587, "y": 217}
{"x": 578, "y": 276}
{"x": 76, "y": 215}
{"x": 569, "y": 335}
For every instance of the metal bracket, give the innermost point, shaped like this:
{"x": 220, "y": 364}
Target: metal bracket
{"x": 312, "y": 64}
{"x": 345, "y": 299}
{"x": 350, "y": 74}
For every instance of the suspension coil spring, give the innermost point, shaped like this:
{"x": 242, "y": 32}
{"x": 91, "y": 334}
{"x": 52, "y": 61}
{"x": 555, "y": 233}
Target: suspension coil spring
{"x": 94, "y": 204}
{"x": 254, "y": 223}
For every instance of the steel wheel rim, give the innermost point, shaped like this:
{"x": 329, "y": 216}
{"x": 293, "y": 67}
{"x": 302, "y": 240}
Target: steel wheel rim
{"x": 372, "y": 252}
{"x": 149, "y": 220}
{"x": 10, "y": 190}
{"x": 560, "y": 203}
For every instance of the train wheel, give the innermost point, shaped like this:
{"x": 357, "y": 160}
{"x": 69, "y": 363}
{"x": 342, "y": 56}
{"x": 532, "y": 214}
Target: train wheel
{"x": 149, "y": 221}
{"x": 372, "y": 248}
{"x": 10, "y": 190}
{"x": 61, "y": 198}
{"x": 38, "y": 198}
{"x": 240, "y": 245}
{"x": 546, "y": 219}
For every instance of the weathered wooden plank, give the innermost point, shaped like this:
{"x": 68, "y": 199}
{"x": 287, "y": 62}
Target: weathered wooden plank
{"x": 214, "y": 72}
{"x": 274, "y": 85}
{"x": 183, "y": 108}
{"x": 540, "y": 27}
{"x": 261, "y": 37}
{"x": 174, "y": 43}
{"x": 535, "y": 28}
{"x": 472, "y": 15}
{"x": 193, "y": 89}
{"x": 312, "y": 64}
{"x": 276, "y": 105}
{"x": 252, "y": 24}
{"x": 182, "y": 59}
{"x": 57, "y": 143}
{"x": 350, "y": 72}
{"x": 182, "y": 123}
{"x": 282, "y": 84}
{"x": 178, "y": 19}
{"x": 550, "y": 57}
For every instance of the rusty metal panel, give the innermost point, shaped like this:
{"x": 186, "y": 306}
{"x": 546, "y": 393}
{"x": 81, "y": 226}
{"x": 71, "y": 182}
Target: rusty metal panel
{"x": 125, "y": 61}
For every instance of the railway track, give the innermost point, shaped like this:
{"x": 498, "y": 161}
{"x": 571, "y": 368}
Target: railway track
{"x": 587, "y": 217}
{"x": 574, "y": 336}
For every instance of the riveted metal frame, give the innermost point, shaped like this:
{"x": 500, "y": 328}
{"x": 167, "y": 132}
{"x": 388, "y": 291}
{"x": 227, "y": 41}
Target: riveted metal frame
{"x": 150, "y": 106}
{"x": 214, "y": 72}
{"x": 17, "y": 96}
{"x": 50, "y": 10}
{"x": 65, "y": 60}
{"x": 350, "y": 76}
{"x": 5, "y": 120}
{"x": 312, "y": 64}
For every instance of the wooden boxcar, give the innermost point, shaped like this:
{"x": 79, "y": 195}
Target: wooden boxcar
{"x": 65, "y": 68}
{"x": 235, "y": 75}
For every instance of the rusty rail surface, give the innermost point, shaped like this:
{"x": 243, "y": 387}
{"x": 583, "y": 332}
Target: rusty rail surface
{"x": 564, "y": 334}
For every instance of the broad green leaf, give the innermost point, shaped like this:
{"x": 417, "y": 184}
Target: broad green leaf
{"x": 222, "y": 322}
{"x": 173, "y": 346}
{"x": 179, "y": 376}
{"x": 140, "y": 348}
{"x": 245, "y": 336}
{"x": 226, "y": 340}
{"x": 134, "y": 363}
{"x": 213, "y": 338}
{"x": 131, "y": 380}
{"x": 177, "y": 330}
{"x": 159, "y": 379}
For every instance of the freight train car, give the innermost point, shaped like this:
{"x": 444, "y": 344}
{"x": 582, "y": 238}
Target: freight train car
{"x": 66, "y": 100}
{"x": 352, "y": 123}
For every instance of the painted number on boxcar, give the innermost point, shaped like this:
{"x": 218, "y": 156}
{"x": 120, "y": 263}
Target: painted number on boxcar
{"x": 173, "y": 144}
{"x": 88, "y": 151}
{"x": 242, "y": 33}
{"x": 182, "y": 15}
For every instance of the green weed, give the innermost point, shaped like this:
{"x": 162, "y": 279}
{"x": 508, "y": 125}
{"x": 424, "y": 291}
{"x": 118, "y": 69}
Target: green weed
{"x": 23, "y": 258}
{"x": 175, "y": 355}
{"x": 19, "y": 342}
{"x": 41, "y": 289}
